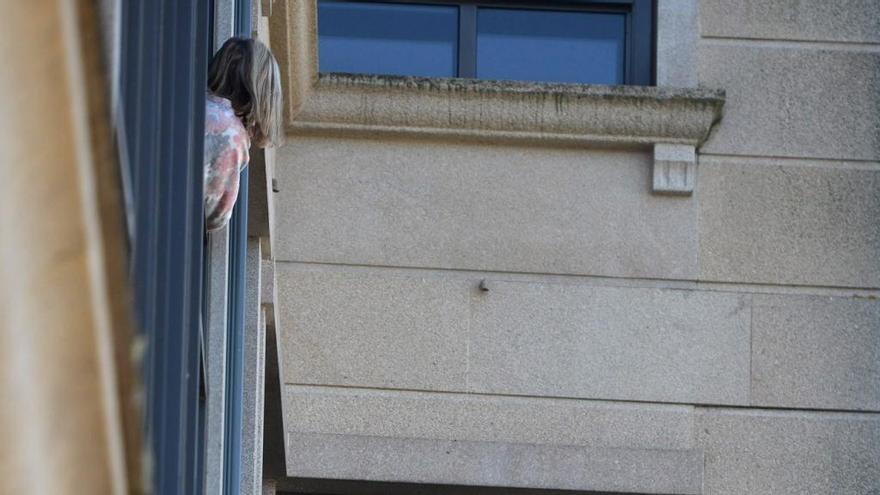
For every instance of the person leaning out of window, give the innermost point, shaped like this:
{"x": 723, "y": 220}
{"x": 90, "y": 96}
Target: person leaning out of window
{"x": 243, "y": 107}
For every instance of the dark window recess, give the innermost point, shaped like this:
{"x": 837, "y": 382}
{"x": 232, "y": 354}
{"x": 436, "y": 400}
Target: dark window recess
{"x": 588, "y": 42}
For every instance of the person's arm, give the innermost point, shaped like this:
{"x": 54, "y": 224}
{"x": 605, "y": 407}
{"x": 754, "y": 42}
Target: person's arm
{"x": 228, "y": 153}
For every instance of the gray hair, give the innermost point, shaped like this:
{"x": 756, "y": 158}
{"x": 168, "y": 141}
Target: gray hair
{"x": 246, "y": 73}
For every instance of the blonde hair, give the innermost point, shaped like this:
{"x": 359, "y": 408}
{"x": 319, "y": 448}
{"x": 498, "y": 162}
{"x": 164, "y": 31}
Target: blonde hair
{"x": 246, "y": 73}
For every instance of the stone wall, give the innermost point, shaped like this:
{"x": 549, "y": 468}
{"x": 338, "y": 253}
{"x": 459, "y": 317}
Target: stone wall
{"x": 521, "y": 296}
{"x": 790, "y": 199}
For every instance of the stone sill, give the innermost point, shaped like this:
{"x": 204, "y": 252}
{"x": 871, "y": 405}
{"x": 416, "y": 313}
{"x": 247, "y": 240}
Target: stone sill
{"x": 675, "y": 121}
{"x": 511, "y": 110}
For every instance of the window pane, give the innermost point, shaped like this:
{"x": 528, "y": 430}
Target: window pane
{"x": 541, "y": 45}
{"x": 386, "y": 38}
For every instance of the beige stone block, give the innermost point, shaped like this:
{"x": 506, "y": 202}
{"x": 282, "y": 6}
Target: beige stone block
{"x": 373, "y": 330}
{"x": 468, "y": 463}
{"x": 70, "y": 416}
{"x": 444, "y": 416}
{"x": 499, "y": 208}
{"x": 780, "y": 222}
{"x": 253, "y": 376}
{"x": 675, "y": 169}
{"x": 570, "y": 340}
{"x": 795, "y": 102}
{"x": 782, "y": 452}
{"x": 812, "y": 20}
{"x": 216, "y": 297}
{"x": 816, "y": 352}
{"x": 293, "y": 35}
{"x": 433, "y": 331}
{"x": 677, "y": 39}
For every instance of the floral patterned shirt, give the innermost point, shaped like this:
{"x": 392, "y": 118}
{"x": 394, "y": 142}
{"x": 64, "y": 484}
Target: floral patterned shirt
{"x": 226, "y": 155}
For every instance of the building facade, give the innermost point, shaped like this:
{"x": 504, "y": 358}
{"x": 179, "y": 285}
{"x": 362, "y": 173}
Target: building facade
{"x": 664, "y": 289}
{"x": 666, "y": 283}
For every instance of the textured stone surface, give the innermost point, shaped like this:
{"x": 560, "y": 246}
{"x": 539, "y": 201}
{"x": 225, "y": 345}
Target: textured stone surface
{"x": 675, "y": 169}
{"x": 816, "y": 352}
{"x": 216, "y": 295}
{"x": 253, "y": 375}
{"x": 677, "y": 37}
{"x": 274, "y": 464}
{"x": 267, "y": 290}
{"x": 494, "y": 464}
{"x": 523, "y": 209}
{"x": 781, "y": 453}
{"x": 429, "y": 331}
{"x": 782, "y": 223}
{"x": 611, "y": 343}
{"x": 261, "y": 199}
{"x": 815, "y": 20}
{"x": 509, "y": 111}
{"x": 344, "y": 328}
{"x": 784, "y": 101}
{"x": 293, "y": 34}
{"x": 72, "y": 355}
{"x": 224, "y": 24}
{"x": 387, "y": 413}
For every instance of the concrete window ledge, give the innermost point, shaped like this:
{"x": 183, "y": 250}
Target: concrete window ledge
{"x": 672, "y": 121}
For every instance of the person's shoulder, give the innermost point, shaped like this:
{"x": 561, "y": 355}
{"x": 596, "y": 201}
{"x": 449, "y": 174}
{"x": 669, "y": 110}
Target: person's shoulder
{"x": 220, "y": 118}
{"x": 218, "y": 109}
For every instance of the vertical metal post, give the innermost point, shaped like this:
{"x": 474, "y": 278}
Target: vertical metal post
{"x": 237, "y": 272}
{"x": 467, "y": 41}
{"x": 163, "y": 73}
{"x": 235, "y": 351}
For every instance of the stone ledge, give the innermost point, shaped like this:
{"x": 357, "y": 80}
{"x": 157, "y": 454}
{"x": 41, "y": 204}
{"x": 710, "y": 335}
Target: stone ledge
{"x": 481, "y": 110}
{"x": 505, "y": 111}
{"x": 414, "y": 460}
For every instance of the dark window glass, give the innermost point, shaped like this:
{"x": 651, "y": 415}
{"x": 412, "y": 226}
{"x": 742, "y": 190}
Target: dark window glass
{"x": 560, "y": 46}
{"x": 385, "y": 38}
{"x": 574, "y": 41}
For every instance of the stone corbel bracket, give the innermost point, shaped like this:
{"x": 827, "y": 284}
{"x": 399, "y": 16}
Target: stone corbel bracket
{"x": 675, "y": 169}
{"x": 673, "y": 121}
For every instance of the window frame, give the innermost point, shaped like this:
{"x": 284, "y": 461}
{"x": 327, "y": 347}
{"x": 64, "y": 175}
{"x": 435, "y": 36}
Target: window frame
{"x": 162, "y": 80}
{"x": 236, "y": 309}
{"x": 639, "y": 53}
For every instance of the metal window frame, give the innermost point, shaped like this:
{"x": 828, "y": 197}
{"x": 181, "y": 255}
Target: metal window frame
{"x": 162, "y": 79}
{"x": 639, "y": 53}
{"x": 238, "y": 230}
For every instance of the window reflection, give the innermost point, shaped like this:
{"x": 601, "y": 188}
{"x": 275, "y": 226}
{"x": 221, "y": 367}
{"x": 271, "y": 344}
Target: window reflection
{"x": 534, "y": 45}
{"x": 386, "y": 38}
